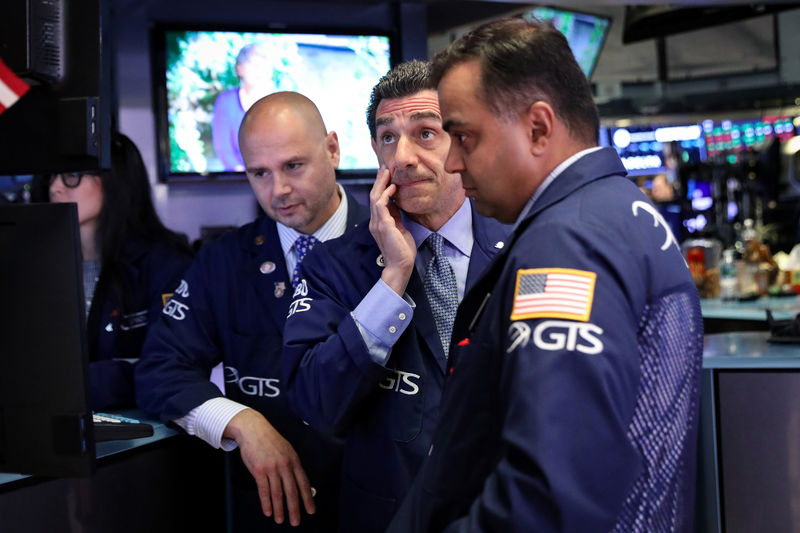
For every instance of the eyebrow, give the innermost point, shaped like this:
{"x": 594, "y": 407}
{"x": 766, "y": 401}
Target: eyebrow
{"x": 450, "y": 123}
{"x": 420, "y": 115}
{"x": 383, "y": 121}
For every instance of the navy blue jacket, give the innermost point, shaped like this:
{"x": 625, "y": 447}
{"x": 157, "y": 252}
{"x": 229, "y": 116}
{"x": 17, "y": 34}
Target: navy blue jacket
{"x": 117, "y": 331}
{"x": 385, "y": 414}
{"x": 572, "y": 399}
{"x": 231, "y": 308}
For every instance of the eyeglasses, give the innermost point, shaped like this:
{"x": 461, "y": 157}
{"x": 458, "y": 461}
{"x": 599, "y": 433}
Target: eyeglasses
{"x": 69, "y": 179}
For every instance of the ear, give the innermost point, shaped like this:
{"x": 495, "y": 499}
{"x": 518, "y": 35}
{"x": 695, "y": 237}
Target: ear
{"x": 539, "y": 120}
{"x": 332, "y": 145}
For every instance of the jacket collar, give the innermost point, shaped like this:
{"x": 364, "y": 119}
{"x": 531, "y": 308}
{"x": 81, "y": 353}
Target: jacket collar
{"x": 591, "y": 167}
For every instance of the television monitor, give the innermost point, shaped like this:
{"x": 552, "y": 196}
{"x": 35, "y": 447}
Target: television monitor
{"x": 652, "y": 148}
{"x": 585, "y": 33}
{"x": 61, "y": 48}
{"x": 198, "y": 73}
{"x": 749, "y": 462}
{"x": 729, "y": 137}
{"x": 15, "y": 189}
{"x": 639, "y": 150}
{"x": 45, "y": 419}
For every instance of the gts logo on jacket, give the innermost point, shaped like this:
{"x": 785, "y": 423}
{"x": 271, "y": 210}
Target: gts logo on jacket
{"x": 252, "y": 385}
{"x": 555, "y": 335}
{"x": 402, "y": 382}
{"x": 302, "y": 303}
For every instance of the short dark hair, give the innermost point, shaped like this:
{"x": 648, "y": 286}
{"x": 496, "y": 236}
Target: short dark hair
{"x": 403, "y": 80}
{"x": 522, "y": 62}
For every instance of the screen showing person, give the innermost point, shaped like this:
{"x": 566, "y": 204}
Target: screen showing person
{"x": 212, "y": 77}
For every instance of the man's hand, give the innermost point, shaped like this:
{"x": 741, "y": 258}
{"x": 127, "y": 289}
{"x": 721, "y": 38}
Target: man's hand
{"x": 273, "y": 463}
{"x": 394, "y": 240}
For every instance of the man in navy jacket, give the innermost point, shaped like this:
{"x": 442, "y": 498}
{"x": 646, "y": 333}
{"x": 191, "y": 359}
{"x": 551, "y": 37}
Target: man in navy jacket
{"x": 571, "y": 401}
{"x": 364, "y": 356}
{"x": 231, "y": 307}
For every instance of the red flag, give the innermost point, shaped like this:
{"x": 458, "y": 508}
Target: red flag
{"x": 11, "y": 87}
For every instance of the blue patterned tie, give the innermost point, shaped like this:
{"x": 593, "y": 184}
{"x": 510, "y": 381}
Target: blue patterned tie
{"x": 441, "y": 289}
{"x": 302, "y": 246}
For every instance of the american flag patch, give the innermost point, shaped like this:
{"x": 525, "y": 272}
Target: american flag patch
{"x": 553, "y": 293}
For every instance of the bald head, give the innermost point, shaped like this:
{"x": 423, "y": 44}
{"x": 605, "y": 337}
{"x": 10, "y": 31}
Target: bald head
{"x": 282, "y": 107}
{"x": 291, "y": 160}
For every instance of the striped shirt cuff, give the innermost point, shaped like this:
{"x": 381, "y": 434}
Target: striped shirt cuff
{"x": 209, "y": 420}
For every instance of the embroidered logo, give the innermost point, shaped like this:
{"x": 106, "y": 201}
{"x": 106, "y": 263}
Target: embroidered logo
{"x": 553, "y": 293}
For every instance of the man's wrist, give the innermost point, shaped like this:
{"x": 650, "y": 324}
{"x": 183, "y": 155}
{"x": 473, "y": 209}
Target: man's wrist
{"x": 396, "y": 278}
{"x": 237, "y": 426}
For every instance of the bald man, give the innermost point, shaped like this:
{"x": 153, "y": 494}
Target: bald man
{"x": 231, "y": 307}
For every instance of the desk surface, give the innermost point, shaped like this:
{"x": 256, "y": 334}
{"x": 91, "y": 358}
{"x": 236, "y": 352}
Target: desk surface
{"x": 783, "y": 308}
{"x": 748, "y": 350}
{"x": 112, "y": 447}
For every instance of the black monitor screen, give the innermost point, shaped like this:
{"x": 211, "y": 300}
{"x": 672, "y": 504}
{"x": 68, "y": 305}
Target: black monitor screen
{"x": 45, "y": 424}
{"x": 206, "y": 79}
{"x": 759, "y": 450}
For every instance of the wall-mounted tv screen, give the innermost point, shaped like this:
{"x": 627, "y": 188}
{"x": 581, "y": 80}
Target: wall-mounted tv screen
{"x": 585, "y": 33}
{"x": 207, "y": 79}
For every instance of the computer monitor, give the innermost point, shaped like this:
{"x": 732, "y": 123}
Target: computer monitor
{"x": 62, "y": 49}
{"x": 749, "y": 463}
{"x": 586, "y": 33}
{"x": 200, "y": 73}
{"x": 45, "y": 419}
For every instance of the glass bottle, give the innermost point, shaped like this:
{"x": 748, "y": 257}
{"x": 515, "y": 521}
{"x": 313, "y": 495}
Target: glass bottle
{"x": 729, "y": 276}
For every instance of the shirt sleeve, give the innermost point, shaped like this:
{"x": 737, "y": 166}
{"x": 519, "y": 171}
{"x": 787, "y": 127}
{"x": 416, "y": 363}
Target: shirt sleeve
{"x": 381, "y": 317}
{"x": 209, "y": 420}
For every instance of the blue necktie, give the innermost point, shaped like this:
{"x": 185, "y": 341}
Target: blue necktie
{"x": 302, "y": 245}
{"x": 441, "y": 289}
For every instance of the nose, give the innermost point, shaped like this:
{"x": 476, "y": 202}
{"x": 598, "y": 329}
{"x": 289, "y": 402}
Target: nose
{"x": 280, "y": 185}
{"x": 56, "y": 185}
{"x": 405, "y": 154}
{"x": 454, "y": 161}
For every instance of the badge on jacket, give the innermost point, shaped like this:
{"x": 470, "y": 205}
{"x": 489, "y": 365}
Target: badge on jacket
{"x": 133, "y": 320}
{"x": 553, "y": 293}
{"x": 280, "y": 288}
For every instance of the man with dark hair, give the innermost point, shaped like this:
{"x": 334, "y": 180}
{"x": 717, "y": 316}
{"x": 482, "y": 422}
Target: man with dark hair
{"x": 572, "y": 390}
{"x": 365, "y": 344}
{"x": 231, "y": 307}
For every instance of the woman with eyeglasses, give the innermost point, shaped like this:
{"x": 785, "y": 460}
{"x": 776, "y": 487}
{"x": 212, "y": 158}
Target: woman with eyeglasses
{"x": 131, "y": 264}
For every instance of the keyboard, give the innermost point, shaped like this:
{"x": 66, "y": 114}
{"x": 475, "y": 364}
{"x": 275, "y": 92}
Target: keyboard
{"x": 115, "y": 427}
